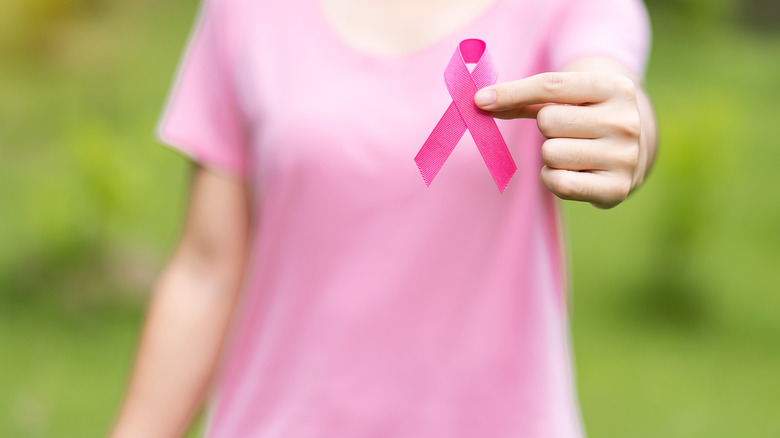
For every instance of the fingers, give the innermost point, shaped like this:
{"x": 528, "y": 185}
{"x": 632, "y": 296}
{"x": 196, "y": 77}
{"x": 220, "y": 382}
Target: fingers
{"x": 598, "y": 121}
{"x": 587, "y": 154}
{"x": 573, "y": 154}
{"x": 592, "y": 125}
{"x": 570, "y": 121}
{"x": 560, "y": 87}
{"x": 602, "y": 189}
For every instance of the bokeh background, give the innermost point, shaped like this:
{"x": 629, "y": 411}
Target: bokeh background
{"x": 676, "y": 321}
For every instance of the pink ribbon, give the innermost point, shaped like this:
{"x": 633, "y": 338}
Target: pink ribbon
{"x": 464, "y": 114}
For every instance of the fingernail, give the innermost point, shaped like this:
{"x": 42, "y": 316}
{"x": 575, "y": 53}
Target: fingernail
{"x": 484, "y": 98}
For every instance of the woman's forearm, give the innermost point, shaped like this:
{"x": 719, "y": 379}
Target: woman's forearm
{"x": 188, "y": 320}
{"x": 190, "y": 312}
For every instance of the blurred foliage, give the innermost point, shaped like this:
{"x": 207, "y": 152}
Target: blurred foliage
{"x": 89, "y": 203}
{"x": 756, "y": 15}
{"x": 710, "y": 11}
{"x": 762, "y": 14}
{"x": 675, "y": 324}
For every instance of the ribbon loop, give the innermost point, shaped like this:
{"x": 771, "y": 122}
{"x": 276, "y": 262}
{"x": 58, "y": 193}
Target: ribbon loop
{"x": 464, "y": 114}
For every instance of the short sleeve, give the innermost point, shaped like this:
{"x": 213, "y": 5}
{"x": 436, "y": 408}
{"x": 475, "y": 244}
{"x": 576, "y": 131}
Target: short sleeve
{"x": 202, "y": 118}
{"x": 619, "y": 29}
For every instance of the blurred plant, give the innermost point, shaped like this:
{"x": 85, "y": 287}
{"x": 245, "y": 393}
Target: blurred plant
{"x": 696, "y": 10}
{"x": 761, "y": 14}
{"x": 32, "y": 25}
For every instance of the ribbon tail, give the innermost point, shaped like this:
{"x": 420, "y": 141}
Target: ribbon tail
{"x": 495, "y": 153}
{"x": 440, "y": 144}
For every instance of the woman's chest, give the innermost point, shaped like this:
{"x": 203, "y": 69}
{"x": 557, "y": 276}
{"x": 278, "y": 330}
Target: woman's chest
{"x": 398, "y": 27}
{"x": 320, "y": 111}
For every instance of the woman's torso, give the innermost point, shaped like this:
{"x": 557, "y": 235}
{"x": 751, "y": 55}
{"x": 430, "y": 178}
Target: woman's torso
{"x": 377, "y": 307}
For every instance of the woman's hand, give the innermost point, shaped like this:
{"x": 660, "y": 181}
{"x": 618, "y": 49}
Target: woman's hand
{"x": 595, "y": 149}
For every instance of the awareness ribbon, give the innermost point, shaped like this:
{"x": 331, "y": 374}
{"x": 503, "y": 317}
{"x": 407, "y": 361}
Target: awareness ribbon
{"x": 464, "y": 114}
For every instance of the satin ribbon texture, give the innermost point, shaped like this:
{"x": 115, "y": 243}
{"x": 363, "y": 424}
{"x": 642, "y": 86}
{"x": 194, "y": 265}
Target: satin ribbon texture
{"x": 464, "y": 114}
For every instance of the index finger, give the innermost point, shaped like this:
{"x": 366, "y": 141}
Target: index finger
{"x": 558, "y": 87}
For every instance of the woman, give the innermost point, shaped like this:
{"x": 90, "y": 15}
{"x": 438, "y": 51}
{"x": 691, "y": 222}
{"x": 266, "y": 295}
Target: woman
{"x": 319, "y": 288}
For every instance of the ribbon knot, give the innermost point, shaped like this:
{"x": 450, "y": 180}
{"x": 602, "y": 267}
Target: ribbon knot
{"x": 464, "y": 114}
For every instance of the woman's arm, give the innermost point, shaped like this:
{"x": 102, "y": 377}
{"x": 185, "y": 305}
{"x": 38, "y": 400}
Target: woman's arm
{"x": 190, "y": 311}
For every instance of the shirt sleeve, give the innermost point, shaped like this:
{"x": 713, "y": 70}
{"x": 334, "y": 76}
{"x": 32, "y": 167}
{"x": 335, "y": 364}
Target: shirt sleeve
{"x": 202, "y": 118}
{"x": 619, "y": 29}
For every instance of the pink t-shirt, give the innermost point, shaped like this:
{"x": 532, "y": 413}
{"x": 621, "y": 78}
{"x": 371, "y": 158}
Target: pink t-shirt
{"x": 374, "y": 306}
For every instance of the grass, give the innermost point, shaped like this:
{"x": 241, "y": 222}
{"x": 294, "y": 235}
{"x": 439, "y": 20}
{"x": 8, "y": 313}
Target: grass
{"x": 675, "y": 292}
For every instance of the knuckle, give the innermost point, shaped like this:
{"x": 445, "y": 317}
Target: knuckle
{"x": 513, "y": 93}
{"x": 613, "y": 194}
{"x": 552, "y": 83}
{"x": 632, "y": 127}
{"x": 623, "y": 86}
{"x": 620, "y": 190}
{"x": 628, "y": 158}
{"x": 547, "y": 120}
{"x": 544, "y": 121}
{"x": 550, "y": 154}
{"x": 565, "y": 187}
{"x": 628, "y": 125}
{"x": 617, "y": 192}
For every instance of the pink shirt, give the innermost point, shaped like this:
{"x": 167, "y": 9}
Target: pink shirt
{"x": 374, "y": 306}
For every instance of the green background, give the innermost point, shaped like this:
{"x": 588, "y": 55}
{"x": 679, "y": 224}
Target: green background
{"x": 676, "y": 301}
